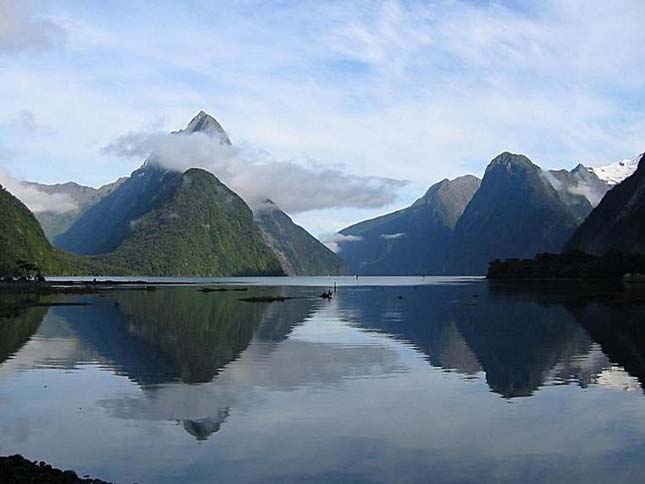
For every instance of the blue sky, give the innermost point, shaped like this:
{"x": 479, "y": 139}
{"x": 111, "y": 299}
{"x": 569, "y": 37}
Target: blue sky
{"x": 411, "y": 91}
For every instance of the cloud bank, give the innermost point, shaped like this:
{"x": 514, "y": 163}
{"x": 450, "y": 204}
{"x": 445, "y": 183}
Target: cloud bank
{"x": 36, "y": 200}
{"x": 295, "y": 187}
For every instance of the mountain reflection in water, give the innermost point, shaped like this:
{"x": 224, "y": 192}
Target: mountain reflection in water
{"x": 521, "y": 341}
{"x": 206, "y": 362}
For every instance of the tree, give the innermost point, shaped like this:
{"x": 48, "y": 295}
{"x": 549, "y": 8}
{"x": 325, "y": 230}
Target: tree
{"x": 26, "y": 269}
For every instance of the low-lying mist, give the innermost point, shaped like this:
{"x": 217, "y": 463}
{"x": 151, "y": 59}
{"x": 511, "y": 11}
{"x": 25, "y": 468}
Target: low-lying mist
{"x": 37, "y": 200}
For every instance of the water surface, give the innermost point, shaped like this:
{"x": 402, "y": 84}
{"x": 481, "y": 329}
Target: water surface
{"x": 393, "y": 380}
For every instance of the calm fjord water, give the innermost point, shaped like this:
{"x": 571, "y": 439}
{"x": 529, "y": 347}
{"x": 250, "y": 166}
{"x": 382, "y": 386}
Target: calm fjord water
{"x": 393, "y": 380}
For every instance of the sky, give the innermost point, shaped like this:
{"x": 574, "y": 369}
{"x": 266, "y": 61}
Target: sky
{"x": 339, "y": 110}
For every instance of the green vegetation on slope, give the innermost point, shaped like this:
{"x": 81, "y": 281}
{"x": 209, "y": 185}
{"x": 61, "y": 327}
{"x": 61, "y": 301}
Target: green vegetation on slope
{"x": 22, "y": 239}
{"x": 166, "y": 223}
{"x": 160, "y": 222}
{"x": 196, "y": 227}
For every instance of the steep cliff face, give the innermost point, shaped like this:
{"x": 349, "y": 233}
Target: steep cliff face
{"x": 21, "y": 238}
{"x": 298, "y": 251}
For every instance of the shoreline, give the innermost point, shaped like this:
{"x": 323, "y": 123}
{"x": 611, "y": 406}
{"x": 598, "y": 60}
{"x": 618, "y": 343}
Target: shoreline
{"x": 16, "y": 469}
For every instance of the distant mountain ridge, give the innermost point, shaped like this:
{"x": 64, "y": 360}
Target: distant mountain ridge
{"x": 164, "y": 222}
{"x": 55, "y": 223}
{"x": 460, "y": 226}
{"x": 414, "y": 240}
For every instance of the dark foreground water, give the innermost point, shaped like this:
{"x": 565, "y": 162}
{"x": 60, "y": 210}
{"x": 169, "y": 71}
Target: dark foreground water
{"x": 455, "y": 382}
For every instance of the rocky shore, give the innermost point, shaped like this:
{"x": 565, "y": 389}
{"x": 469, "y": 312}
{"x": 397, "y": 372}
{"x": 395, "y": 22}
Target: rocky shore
{"x": 16, "y": 469}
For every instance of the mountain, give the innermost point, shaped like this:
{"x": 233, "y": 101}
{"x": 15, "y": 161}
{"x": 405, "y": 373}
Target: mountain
{"x": 459, "y": 226}
{"x": 161, "y": 222}
{"x": 618, "y": 222}
{"x": 298, "y": 251}
{"x": 615, "y": 173}
{"x": 197, "y": 226}
{"x": 164, "y": 222}
{"x": 55, "y": 223}
{"x": 580, "y": 188}
{"x": 415, "y": 240}
{"x": 105, "y": 225}
{"x": 22, "y": 238}
{"x": 206, "y": 124}
{"x": 516, "y": 213}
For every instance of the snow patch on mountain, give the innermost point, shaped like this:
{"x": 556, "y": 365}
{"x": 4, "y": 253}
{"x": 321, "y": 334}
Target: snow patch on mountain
{"x": 615, "y": 173}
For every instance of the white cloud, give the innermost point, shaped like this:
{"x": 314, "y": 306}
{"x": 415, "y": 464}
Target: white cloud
{"x": 294, "y": 187}
{"x": 397, "y": 235}
{"x": 333, "y": 241}
{"x": 19, "y": 30}
{"x": 36, "y": 200}
{"x": 592, "y": 195}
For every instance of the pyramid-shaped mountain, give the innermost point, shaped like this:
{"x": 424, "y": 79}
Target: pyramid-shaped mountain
{"x": 517, "y": 212}
{"x": 165, "y": 222}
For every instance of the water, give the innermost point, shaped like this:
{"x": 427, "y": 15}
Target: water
{"x": 394, "y": 380}
{"x": 317, "y": 281}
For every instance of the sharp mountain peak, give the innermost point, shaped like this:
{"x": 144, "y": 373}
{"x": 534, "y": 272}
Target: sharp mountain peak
{"x": 207, "y": 124}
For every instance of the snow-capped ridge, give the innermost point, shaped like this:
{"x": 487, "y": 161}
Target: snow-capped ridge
{"x": 615, "y": 173}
